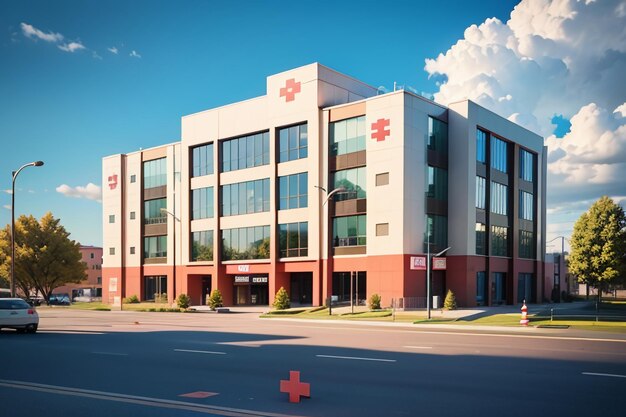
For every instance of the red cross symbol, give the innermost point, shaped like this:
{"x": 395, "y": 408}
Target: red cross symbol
{"x": 113, "y": 182}
{"x": 295, "y": 388}
{"x": 379, "y": 127}
{"x": 290, "y": 89}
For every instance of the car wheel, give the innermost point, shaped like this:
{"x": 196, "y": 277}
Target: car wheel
{"x": 31, "y": 328}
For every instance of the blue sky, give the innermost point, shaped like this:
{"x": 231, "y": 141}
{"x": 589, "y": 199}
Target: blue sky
{"x": 81, "y": 80}
{"x": 70, "y": 109}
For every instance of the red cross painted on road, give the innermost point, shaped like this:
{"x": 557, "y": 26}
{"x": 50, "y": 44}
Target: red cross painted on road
{"x": 379, "y": 127}
{"x": 290, "y": 89}
{"x": 113, "y": 182}
{"x": 295, "y": 388}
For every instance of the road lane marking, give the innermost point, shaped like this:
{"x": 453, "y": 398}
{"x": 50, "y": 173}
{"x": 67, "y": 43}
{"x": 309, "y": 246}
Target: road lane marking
{"x": 417, "y": 347}
{"x": 139, "y": 400}
{"x": 208, "y": 352}
{"x": 609, "y": 375}
{"x": 110, "y": 353}
{"x": 199, "y": 394}
{"x": 355, "y": 358}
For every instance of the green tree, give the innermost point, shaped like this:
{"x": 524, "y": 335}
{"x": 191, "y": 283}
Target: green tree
{"x": 215, "y": 300}
{"x": 45, "y": 257}
{"x": 183, "y": 301}
{"x": 450, "y": 301}
{"x": 598, "y": 245}
{"x": 374, "y": 302}
{"x": 281, "y": 302}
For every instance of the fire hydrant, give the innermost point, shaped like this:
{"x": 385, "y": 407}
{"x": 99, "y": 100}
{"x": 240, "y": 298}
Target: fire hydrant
{"x": 524, "y": 321}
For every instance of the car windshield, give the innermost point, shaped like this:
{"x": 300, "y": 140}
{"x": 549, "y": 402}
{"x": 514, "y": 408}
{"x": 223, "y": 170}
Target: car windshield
{"x": 14, "y": 305}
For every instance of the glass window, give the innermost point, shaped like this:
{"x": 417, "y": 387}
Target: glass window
{"x": 499, "y": 198}
{"x": 152, "y": 213}
{"x": 353, "y": 180}
{"x": 437, "y": 183}
{"x": 293, "y": 239}
{"x": 155, "y": 288}
{"x": 245, "y": 197}
{"x": 292, "y": 143}
{"x": 481, "y": 239}
{"x": 499, "y": 241}
{"x": 245, "y": 152}
{"x": 498, "y": 154}
{"x": 481, "y": 146}
{"x": 202, "y": 245}
{"x": 202, "y": 203}
{"x": 437, "y": 135}
{"x": 155, "y": 247}
{"x": 133, "y": 178}
{"x": 525, "y": 205}
{"x": 246, "y": 243}
{"x": 154, "y": 173}
{"x": 347, "y": 136}
{"x": 437, "y": 229}
{"x": 526, "y": 244}
{"x": 292, "y": 191}
{"x": 526, "y": 165}
{"x": 202, "y": 160}
{"x": 349, "y": 231}
{"x": 481, "y": 288}
{"x": 481, "y": 190}
{"x": 112, "y": 218}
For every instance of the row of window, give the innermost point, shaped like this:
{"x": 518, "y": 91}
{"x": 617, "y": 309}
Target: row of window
{"x": 500, "y": 241}
{"x": 499, "y": 199}
{"x": 246, "y": 197}
{"x": 499, "y": 155}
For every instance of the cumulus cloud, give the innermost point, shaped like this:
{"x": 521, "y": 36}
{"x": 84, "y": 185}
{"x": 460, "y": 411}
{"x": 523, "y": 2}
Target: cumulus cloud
{"x": 549, "y": 58}
{"x": 32, "y": 32}
{"x": 8, "y": 191}
{"x": 7, "y": 206}
{"x": 90, "y": 191}
{"x": 552, "y": 57}
{"x": 134, "y": 54}
{"x": 113, "y": 50}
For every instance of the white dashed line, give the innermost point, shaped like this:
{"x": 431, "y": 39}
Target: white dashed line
{"x": 609, "y": 375}
{"x": 110, "y": 353}
{"x": 208, "y": 352}
{"x": 417, "y": 347}
{"x": 355, "y": 358}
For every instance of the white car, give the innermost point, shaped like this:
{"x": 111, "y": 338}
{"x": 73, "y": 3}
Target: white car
{"x": 17, "y": 314}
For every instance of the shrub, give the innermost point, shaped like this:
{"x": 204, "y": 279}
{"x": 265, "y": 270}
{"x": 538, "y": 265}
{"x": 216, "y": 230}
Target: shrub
{"x": 215, "y": 300}
{"x": 281, "y": 302}
{"x": 374, "y": 302}
{"x": 183, "y": 301}
{"x": 450, "y": 302}
{"x": 133, "y": 299}
{"x": 160, "y": 298}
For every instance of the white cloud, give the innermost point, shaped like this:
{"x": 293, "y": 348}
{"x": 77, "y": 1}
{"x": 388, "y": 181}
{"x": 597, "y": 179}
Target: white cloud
{"x": 113, "y": 50}
{"x": 30, "y": 31}
{"x": 7, "y": 191}
{"x": 134, "y": 54}
{"x": 71, "y": 47}
{"x": 7, "y": 206}
{"x": 90, "y": 191}
{"x": 552, "y": 57}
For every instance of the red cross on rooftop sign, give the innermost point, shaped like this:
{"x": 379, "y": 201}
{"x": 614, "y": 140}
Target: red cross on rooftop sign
{"x": 290, "y": 89}
{"x": 378, "y": 130}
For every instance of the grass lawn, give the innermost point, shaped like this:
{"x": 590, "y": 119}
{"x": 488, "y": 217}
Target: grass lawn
{"x": 127, "y": 307}
{"x": 581, "y": 323}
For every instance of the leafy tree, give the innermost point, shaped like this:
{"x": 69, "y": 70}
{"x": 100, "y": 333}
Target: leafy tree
{"x": 45, "y": 257}
{"x": 215, "y": 300}
{"x": 450, "y": 301}
{"x": 183, "y": 301}
{"x": 281, "y": 302}
{"x": 598, "y": 245}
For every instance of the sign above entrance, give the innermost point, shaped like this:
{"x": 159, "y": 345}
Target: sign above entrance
{"x": 418, "y": 263}
{"x": 242, "y": 278}
{"x": 259, "y": 280}
{"x": 243, "y": 268}
{"x": 439, "y": 264}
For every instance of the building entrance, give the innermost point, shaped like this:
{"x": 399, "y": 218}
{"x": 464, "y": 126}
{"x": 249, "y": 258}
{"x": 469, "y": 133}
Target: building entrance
{"x": 301, "y": 288}
{"x": 346, "y": 282}
{"x": 206, "y": 289}
{"x": 250, "y": 290}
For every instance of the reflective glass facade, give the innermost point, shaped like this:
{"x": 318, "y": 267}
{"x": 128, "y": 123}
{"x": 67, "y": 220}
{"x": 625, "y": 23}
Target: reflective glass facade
{"x": 353, "y": 180}
{"x": 293, "y": 191}
{"x": 245, "y": 152}
{"x": 293, "y": 143}
{"x": 202, "y": 160}
{"x": 293, "y": 239}
{"x": 246, "y": 197}
{"x": 202, "y": 203}
{"x": 246, "y": 243}
{"x": 202, "y": 245}
{"x": 154, "y": 173}
{"x": 349, "y": 231}
{"x": 347, "y": 136}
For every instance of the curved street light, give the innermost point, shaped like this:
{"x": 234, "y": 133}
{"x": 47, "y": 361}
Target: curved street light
{"x": 14, "y": 175}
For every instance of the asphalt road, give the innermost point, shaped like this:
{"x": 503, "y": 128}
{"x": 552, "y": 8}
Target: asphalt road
{"x": 85, "y": 363}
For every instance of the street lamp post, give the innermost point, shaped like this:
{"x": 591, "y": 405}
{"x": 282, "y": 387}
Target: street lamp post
{"x": 328, "y": 196}
{"x": 164, "y": 210}
{"x": 561, "y": 261}
{"x": 14, "y": 177}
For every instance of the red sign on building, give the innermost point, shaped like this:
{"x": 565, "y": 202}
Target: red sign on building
{"x": 439, "y": 264}
{"x": 418, "y": 263}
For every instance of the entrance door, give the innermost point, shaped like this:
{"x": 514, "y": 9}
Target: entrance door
{"x": 301, "y": 288}
{"x": 206, "y": 289}
{"x": 241, "y": 294}
{"x": 259, "y": 294}
{"x": 498, "y": 288}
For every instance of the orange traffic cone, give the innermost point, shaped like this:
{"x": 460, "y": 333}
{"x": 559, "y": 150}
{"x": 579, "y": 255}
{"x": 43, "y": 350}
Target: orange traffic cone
{"x": 524, "y": 321}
